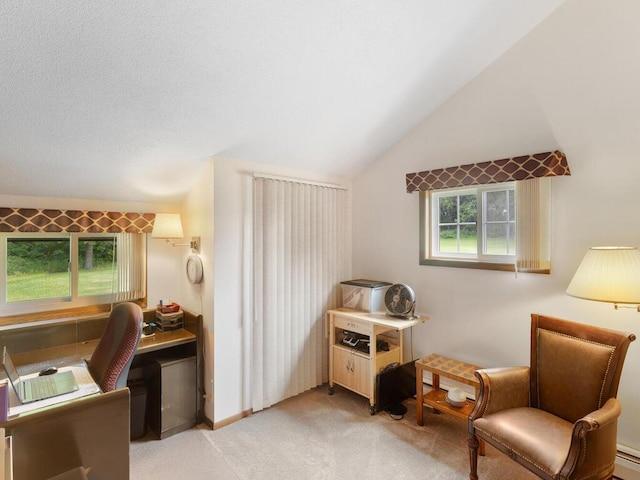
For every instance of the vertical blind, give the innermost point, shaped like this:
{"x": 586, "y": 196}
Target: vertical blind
{"x": 131, "y": 267}
{"x": 300, "y": 255}
{"x": 533, "y": 250}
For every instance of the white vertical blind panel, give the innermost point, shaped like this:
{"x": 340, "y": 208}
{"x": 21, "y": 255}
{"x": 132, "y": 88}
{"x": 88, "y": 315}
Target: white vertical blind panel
{"x": 131, "y": 267}
{"x": 533, "y": 225}
{"x": 258, "y": 334}
{"x": 299, "y": 260}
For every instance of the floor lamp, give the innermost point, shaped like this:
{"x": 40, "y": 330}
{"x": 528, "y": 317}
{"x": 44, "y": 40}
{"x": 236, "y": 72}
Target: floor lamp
{"x": 609, "y": 274}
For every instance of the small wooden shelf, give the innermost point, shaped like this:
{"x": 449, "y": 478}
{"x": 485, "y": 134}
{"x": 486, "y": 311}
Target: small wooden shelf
{"x": 353, "y": 350}
{"x": 437, "y": 399}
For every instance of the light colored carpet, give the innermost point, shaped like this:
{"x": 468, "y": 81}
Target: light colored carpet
{"x": 315, "y": 436}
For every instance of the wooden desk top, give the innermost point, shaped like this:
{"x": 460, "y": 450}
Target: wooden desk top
{"x": 448, "y": 367}
{"x": 36, "y": 360}
{"x": 75, "y": 353}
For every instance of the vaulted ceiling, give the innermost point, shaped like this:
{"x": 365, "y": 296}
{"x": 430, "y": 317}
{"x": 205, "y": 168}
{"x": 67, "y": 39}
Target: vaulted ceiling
{"x": 127, "y": 100}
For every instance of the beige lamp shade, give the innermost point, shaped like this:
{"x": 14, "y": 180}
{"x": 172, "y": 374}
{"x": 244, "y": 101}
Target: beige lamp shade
{"x": 167, "y": 225}
{"x": 608, "y": 274}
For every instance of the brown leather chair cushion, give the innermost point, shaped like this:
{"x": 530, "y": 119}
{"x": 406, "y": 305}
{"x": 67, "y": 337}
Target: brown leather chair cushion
{"x": 537, "y": 437}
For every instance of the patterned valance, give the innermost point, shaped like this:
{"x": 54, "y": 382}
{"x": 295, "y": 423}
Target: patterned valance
{"x": 75, "y": 221}
{"x": 548, "y": 164}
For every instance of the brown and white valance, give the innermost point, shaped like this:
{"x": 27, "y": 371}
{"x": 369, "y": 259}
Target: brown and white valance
{"x": 75, "y": 221}
{"x": 548, "y": 164}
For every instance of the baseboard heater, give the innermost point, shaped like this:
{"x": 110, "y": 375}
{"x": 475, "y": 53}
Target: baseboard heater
{"x": 627, "y": 463}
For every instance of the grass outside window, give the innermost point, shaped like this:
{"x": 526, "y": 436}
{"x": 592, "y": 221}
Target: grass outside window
{"x": 30, "y": 286}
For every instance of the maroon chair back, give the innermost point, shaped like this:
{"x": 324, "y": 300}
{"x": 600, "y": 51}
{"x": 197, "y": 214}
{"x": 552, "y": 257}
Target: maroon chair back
{"x": 111, "y": 360}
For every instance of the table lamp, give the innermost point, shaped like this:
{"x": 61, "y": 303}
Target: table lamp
{"x": 609, "y": 274}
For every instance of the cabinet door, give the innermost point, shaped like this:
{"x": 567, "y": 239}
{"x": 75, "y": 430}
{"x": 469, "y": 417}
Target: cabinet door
{"x": 342, "y": 367}
{"x": 352, "y": 371}
{"x": 175, "y": 382}
{"x": 361, "y": 375}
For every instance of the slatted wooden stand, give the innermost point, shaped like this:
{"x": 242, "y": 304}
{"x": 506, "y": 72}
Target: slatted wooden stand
{"x": 436, "y": 398}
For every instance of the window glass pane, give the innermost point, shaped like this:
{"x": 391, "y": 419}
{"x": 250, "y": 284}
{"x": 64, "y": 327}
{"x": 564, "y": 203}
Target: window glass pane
{"x": 96, "y": 266}
{"x": 469, "y": 239}
{"x": 37, "y": 269}
{"x": 500, "y": 239}
{"x": 496, "y": 206}
{"x": 496, "y": 239}
{"x": 468, "y": 208}
{"x": 512, "y": 238}
{"x": 448, "y": 239}
{"x": 512, "y": 205}
{"x": 448, "y": 209}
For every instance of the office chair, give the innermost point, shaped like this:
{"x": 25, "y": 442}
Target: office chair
{"x": 558, "y": 418}
{"x": 110, "y": 362}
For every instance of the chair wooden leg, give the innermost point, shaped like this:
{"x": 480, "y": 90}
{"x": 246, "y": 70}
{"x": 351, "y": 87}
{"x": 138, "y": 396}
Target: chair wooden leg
{"x": 473, "y": 443}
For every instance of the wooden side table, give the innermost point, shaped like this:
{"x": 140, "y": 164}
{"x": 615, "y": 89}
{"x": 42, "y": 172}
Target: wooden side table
{"x": 439, "y": 365}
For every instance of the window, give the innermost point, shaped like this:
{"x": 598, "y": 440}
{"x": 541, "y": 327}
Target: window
{"x": 474, "y": 223}
{"x": 51, "y": 271}
{"x": 481, "y": 227}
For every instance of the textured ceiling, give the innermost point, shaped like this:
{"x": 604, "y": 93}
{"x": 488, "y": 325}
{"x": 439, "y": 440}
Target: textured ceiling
{"x": 126, "y": 100}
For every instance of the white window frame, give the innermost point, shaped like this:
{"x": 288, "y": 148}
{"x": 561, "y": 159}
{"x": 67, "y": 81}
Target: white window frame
{"x": 480, "y": 193}
{"x": 74, "y": 299}
{"x": 435, "y": 216}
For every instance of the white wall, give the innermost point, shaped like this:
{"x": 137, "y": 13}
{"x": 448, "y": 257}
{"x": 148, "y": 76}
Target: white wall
{"x": 570, "y": 84}
{"x": 163, "y": 265}
{"x": 232, "y": 302}
{"x": 197, "y": 219}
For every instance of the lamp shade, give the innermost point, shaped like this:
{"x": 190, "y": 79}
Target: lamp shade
{"x": 608, "y": 274}
{"x": 167, "y": 225}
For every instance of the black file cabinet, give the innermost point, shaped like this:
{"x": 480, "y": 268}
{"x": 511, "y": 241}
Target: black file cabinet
{"x": 172, "y": 387}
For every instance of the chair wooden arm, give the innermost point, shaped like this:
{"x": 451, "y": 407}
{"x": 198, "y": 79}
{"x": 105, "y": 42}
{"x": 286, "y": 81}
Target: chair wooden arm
{"x": 593, "y": 442}
{"x": 500, "y": 389}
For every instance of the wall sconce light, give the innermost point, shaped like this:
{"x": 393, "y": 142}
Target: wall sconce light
{"x": 609, "y": 274}
{"x": 169, "y": 226}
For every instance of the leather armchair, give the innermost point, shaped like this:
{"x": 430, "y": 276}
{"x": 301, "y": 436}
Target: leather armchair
{"x": 558, "y": 417}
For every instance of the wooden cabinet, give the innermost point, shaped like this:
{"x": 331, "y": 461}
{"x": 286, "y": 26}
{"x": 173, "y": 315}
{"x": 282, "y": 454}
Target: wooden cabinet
{"x": 351, "y": 371}
{"x": 361, "y": 345}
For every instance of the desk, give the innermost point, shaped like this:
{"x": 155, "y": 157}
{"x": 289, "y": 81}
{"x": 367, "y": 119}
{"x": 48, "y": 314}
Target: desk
{"x": 37, "y": 347}
{"x": 91, "y": 432}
